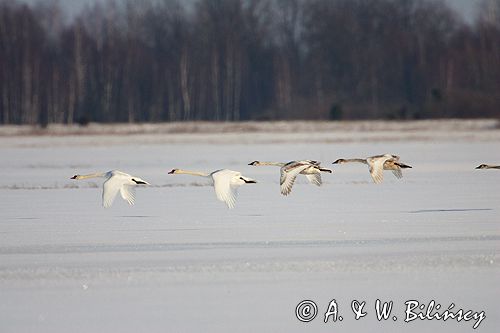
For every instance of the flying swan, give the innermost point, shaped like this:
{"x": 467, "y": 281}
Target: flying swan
{"x": 379, "y": 163}
{"x": 115, "y": 181}
{"x": 289, "y": 171}
{"x": 488, "y": 166}
{"x": 225, "y": 182}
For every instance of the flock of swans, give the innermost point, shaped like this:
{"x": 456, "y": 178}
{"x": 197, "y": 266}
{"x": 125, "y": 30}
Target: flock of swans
{"x": 226, "y": 182}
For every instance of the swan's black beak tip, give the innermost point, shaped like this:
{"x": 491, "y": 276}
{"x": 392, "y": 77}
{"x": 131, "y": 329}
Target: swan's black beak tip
{"x": 172, "y": 172}
{"x": 74, "y": 177}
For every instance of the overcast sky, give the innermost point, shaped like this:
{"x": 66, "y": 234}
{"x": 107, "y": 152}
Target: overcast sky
{"x": 465, "y": 7}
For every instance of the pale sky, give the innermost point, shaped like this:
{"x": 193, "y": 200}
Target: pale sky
{"x": 465, "y": 7}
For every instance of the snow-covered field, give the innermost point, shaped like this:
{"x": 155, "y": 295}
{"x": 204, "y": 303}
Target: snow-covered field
{"x": 180, "y": 261}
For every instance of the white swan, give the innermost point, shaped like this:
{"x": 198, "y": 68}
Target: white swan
{"x": 115, "y": 181}
{"x": 289, "y": 171}
{"x": 377, "y": 164}
{"x": 225, "y": 183}
{"x": 488, "y": 166}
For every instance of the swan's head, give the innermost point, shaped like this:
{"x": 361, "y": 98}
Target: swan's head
{"x": 339, "y": 161}
{"x": 139, "y": 181}
{"x": 482, "y": 166}
{"x": 75, "y": 177}
{"x": 254, "y": 163}
{"x": 174, "y": 171}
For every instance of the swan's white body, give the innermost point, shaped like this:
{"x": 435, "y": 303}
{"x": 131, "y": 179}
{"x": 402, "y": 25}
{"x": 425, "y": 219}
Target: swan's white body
{"x": 225, "y": 182}
{"x": 116, "y": 181}
{"x": 289, "y": 171}
{"x": 377, "y": 164}
{"x": 488, "y": 166}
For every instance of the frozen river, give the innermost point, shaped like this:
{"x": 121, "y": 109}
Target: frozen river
{"x": 180, "y": 261}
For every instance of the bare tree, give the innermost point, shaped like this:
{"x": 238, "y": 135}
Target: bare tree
{"x": 231, "y": 60}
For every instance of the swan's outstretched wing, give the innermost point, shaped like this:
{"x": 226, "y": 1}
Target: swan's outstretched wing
{"x": 110, "y": 189}
{"x": 314, "y": 179}
{"x": 225, "y": 189}
{"x": 395, "y": 157}
{"x": 377, "y": 167}
{"x": 288, "y": 174}
{"x": 397, "y": 172}
{"x": 128, "y": 193}
{"x": 311, "y": 162}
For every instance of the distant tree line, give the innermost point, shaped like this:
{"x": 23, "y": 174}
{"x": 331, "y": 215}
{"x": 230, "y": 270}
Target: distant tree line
{"x": 231, "y": 60}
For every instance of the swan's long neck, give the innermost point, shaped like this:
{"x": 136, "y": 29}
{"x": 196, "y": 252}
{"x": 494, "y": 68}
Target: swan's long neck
{"x": 493, "y": 167}
{"x": 358, "y": 160}
{"x": 272, "y": 163}
{"x": 193, "y": 173}
{"x": 92, "y": 175}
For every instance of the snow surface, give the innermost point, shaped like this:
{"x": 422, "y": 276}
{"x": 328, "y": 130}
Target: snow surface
{"x": 179, "y": 261}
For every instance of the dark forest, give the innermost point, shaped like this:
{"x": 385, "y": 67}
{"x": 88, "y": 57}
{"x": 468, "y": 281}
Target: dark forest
{"x": 232, "y": 60}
